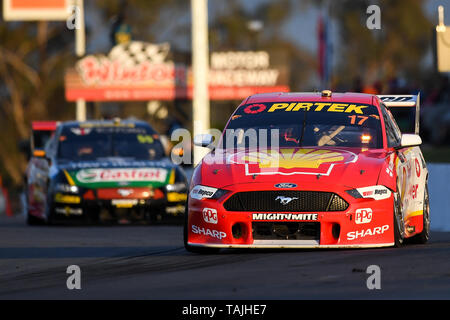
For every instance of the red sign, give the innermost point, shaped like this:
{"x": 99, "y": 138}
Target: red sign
{"x": 36, "y": 10}
{"x": 138, "y": 71}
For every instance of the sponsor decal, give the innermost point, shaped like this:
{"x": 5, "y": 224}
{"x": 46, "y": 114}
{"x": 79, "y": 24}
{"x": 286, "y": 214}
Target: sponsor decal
{"x": 285, "y": 200}
{"x": 202, "y": 192}
{"x": 145, "y": 138}
{"x": 363, "y": 216}
{"x": 375, "y": 192}
{"x": 208, "y": 232}
{"x": 390, "y": 168}
{"x": 367, "y": 193}
{"x": 254, "y": 108}
{"x": 389, "y": 172}
{"x": 117, "y": 175}
{"x": 62, "y": 198}
{"x": 318, "y": 106}
{"x": 210, "y": 215}
{"x": 285, "y": 185}
{"x": 69, "y": 211}
{"x": 292, "y": 161}
{"x": 285, "y": 216}
{"x": 368, "y": 232}
{"x": 417, "y": 167}
{"x": 413, "y": 191}
{"x": 122, "y": 163}
{"x": 398, "y": 99}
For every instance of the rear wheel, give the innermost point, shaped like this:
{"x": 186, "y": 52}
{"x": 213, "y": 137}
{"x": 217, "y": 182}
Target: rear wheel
{"x": 423, "y": 237}
{"x": 190, "y": 248}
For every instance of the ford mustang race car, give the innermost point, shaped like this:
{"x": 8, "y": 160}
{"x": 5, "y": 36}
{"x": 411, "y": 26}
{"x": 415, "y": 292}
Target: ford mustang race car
{"x": 107, "y": 171}
{"x": 310, "y": 170}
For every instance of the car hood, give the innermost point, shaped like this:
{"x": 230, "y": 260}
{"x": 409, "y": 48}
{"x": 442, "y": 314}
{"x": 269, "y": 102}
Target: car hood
{"x": 349, "y": 167}
{"x": 117, "y": 172}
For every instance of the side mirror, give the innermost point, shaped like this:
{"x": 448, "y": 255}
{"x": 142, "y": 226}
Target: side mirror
{"x": 204, "y": 140}
{"x": 410, "y": 140}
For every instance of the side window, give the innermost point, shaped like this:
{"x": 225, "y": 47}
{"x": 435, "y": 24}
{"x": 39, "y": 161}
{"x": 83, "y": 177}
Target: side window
{"x": 392, "y": 131}
{"x": 397, "y": 131}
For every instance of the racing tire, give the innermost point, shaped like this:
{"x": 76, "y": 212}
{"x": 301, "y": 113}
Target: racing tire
{"x": 424, "y": 236}
{"x": 399, "y": 225}
{"x": 50, "y": 214}
{"x": 194, "y": 249}
{"x": 34, "y": 221}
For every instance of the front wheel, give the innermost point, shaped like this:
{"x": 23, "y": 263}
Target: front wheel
{"x": 423, "y": 237}
{"x": 399, "y": 225}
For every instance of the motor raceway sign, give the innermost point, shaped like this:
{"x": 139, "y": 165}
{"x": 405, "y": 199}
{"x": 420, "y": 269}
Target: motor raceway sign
{"x": 142, "y": 71}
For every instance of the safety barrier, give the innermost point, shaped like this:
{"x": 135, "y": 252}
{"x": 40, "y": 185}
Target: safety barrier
{"x": 439, "y": 190}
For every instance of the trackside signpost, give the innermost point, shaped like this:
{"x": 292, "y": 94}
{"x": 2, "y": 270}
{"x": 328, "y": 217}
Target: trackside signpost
{"x": 442, "y": 43}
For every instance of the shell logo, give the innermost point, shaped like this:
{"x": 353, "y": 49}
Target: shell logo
{"x": 293, "y": 161}
{"x": 290, "y": 158}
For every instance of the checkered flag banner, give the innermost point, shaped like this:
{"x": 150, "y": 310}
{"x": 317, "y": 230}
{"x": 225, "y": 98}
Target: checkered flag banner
{"x": 136, "y": 52}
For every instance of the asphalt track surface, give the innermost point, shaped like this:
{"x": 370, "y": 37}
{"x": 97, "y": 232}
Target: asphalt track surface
{"x": 149, "y": 262}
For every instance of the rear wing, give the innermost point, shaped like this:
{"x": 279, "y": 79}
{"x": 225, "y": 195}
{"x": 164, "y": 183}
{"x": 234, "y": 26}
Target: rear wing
{"x": 41, "y": 132}
{"x": 404, "y": 101}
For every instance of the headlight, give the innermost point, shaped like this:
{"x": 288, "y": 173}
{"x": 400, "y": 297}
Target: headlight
{"x": 62, "y": 187}
{"x": 373, "y": 192}
{"x": 200, "y": 192}
{"x": 176, "y": 187}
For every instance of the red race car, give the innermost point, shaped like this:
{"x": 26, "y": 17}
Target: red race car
{"x": 310, "y": 170}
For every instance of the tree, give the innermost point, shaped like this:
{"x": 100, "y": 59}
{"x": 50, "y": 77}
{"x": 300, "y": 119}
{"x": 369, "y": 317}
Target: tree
{"x": 395, "y": 50}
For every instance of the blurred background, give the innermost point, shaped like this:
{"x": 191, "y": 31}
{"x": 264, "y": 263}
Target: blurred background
{"x": 254, "y": 46}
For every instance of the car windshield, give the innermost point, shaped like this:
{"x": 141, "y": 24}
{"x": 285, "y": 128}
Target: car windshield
{"x": 303, "y": 124}
{"x": 92, "y": 143}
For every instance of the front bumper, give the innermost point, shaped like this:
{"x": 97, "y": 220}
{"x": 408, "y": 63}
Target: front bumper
{"x": 138, "y": 204}
{"x": 365, "y": 223}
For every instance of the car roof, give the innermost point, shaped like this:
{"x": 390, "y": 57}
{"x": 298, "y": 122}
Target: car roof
{"x": 348, "y": 97}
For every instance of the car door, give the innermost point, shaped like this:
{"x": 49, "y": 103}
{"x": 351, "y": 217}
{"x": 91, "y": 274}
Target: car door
{"x": 410, "y": 170}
